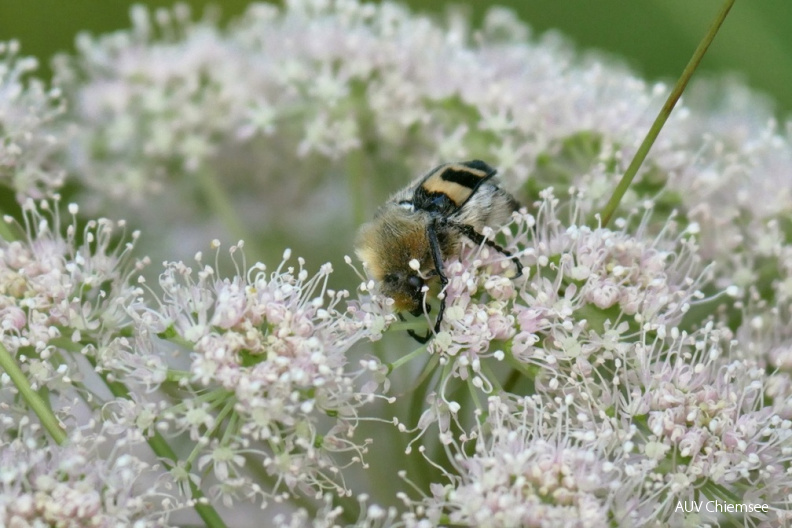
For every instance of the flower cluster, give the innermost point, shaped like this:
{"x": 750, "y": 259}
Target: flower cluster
{"x": 63, "y": 293}
{"x": 583, "y": 290}
{"x": 28, "y": 113}
{"x": 269, "y": 353}
{"x": 599, "y": 331}
{"x": 78, "y": 485}
{"x": 531, "y": 467}
{"x": 632, "y": 365}
{"x": 171, "y": 96}
{"x": 541, "y": 461}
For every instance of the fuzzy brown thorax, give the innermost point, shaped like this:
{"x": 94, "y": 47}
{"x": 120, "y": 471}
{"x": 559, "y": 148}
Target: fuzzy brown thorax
{"x": 390, "y": 243}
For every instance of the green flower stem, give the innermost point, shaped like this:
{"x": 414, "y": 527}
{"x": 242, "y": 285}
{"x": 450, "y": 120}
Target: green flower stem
{"x": 406, "y": 358}
{"x": 163, "y": 450}
{"x": 230, "y": 428}
{"x": 711, "y": 489}
{"x": 171, "y": 335}
{"x": 36, "y": 402}
{"x": 427, "y": 371}
{"x": 221, "y": 205}
{"x": 215, "y": 398}
{"x": 662, "y": 117}
{"x": 229, "y": 406}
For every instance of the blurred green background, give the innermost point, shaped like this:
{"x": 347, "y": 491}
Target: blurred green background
{"x": 655, "y": 37}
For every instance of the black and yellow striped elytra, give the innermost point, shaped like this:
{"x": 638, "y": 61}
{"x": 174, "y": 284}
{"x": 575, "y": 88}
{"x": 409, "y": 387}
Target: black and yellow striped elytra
{"x": 448, "y": 188}
{"x": 423, "y": 224}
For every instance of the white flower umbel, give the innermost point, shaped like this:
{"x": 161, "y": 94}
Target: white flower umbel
{"x": 175, "y": 93}
{"x": 170, "y": 102}
{"x": 583, "y": 292}
{"x": 528, "y": 466}
{"x": 598, "y": 330}
{"x": 706, "y": 422}
{"x": 91, "y": 482}
{"x": 269, "y": 379}
{"x": 64, "y": 291}
{"x": 28, "y": 141}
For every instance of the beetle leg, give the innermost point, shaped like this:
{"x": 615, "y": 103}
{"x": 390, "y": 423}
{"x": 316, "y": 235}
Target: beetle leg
{"x": 437, "y": 257}
{"x": 479, "y": 239}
